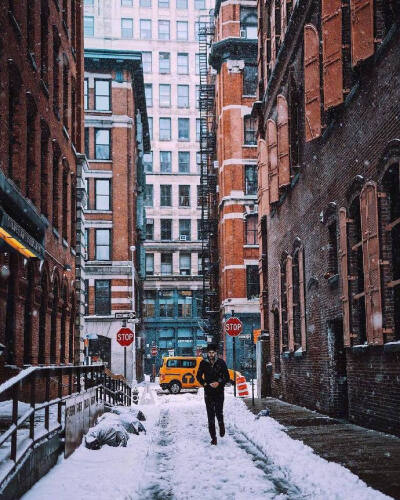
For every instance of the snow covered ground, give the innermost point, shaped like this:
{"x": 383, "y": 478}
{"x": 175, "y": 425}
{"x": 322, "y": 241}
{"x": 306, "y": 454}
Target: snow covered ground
{"x": 175, "y": 460}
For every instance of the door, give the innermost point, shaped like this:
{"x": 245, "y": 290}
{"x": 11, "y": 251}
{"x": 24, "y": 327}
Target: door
{"x": 335, "y": 331}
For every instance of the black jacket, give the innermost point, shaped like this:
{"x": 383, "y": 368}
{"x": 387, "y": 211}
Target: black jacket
{"x": 208, "y": 373}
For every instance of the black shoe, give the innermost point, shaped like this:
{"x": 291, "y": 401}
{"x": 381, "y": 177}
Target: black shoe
{"x": 221, "y": 429}
{"x": 214, "y": 441}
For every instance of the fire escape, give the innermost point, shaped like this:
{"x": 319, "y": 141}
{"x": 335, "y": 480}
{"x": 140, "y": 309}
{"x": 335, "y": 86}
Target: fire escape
{"x": 208, "y": 183}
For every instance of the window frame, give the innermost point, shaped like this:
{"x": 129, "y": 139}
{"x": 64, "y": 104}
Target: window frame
{"x": 186, "y": 170}
{"x": 122, "y": 28}
{"x": 161, "y": 70}
{"x": 96, "y": 130}
{"x": 186, "y": 97}
{"x": 185, "y": 33}
{"x": 168, "y": 222}
{"x": 165, "y": 197}
{"x": 148, "y": 31}
{"x": 85, "y": 32}
{"x": 163, "y": 22}
{"x": 108, "y": 298}
{"x": 167, "y": 120}
{"x": 108, "y": 196}
{"x": 253, "y": 268}
{"x": 184, "y": 55}
{"x": 182, "y": 120}
{"x": 96, "y": 80}
{"x": 169, "y": 155}
{"x": 167, "y": 102}
{"x": 96, "y": 245}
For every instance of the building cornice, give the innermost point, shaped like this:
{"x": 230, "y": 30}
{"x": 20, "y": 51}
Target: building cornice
{"x": 232, "y": 48}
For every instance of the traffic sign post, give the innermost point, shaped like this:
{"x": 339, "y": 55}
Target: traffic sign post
{"x": 233, "y": 327}
{"x": 125, "y": 337}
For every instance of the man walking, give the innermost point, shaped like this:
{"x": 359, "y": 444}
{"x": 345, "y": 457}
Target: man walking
{"x": 213, "y": 375}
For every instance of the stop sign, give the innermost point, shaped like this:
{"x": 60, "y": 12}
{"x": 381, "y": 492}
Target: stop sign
{"x": 154, "y": 351}
{"x": 233, "y": 327}
{"x": 125, "y": 337}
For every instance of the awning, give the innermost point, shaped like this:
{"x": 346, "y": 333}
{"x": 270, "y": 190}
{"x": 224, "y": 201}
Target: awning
{"x": 19, "y": 239}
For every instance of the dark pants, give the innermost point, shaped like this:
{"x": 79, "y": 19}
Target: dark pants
{"x": 215, "y": 407}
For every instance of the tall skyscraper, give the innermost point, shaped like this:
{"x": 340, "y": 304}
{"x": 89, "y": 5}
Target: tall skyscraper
{"x": 165, "y": 31}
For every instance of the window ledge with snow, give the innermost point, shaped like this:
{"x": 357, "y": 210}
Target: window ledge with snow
{"x": 392, "y": 346}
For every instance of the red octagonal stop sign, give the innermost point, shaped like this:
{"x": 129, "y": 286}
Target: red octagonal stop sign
{"x": 233, "y": 327}
{"x": 125, "y": 337}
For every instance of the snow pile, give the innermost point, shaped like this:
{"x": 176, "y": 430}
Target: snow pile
{"x": 314, "y": 476}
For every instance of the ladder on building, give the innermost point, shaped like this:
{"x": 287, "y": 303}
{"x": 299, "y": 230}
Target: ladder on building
{"x": 208, "y": 180}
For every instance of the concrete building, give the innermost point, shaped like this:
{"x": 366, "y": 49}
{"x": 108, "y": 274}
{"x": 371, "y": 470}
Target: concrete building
{"x": 40, "y": 141}
{"x": 233, "y": 59}
{"x": 329, "y": 205}
{"x": 116, "y": 136}
{"x": 165, "y": 32}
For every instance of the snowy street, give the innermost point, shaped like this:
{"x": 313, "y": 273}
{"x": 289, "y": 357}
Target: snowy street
{"x": 175, "y": 460}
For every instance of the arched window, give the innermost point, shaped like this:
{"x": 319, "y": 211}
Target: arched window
{"x": 43, "y": 318}
{"x": 64, "y": 304}
{"x": 283, "y": 303}
{"x": 312, "y": 92}
{"x": 277, "y": 346}
{"x": 54, "y": 323}
{"x": 283, "y": 142}
{"x": 296, "y": 300}
{"x": 356, "y": 272}
{"x": 391, "y": 233}
{"x": 29, "y": 310}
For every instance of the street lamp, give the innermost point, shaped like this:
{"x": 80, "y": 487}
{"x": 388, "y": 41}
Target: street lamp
{"x": 134, "y": 381}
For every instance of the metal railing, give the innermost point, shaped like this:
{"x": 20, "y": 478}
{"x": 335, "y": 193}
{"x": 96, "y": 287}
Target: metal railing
{"x": 43, "y": 388}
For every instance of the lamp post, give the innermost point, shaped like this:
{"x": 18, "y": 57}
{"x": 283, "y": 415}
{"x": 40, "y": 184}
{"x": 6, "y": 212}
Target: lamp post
{"x": 134, "y": 381}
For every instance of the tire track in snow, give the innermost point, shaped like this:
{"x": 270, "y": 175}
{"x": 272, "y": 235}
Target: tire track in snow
{"x": 275, "y": 474}
{"x": 159, "y": 463}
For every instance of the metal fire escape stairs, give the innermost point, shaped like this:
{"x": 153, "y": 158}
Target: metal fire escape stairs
{"x": 208, "y": 182}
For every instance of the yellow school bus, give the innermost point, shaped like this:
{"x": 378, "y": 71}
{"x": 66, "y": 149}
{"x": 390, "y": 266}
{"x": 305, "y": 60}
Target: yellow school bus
{"x": 179, "y": 372}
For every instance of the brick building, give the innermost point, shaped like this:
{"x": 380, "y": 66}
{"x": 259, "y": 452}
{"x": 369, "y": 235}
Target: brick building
{"x": 233, "y": 57}
{"x": 41, "y": 55}
{"x": 329, "y": 198}
{"x": 116, "y": 136}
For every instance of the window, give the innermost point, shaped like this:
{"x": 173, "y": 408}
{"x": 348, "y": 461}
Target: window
{"x": 86, "y": 93}
{"x": 145, "y": 29}
{"x": 183, "y": 96}
{"x": 163, "y": 4}
{"x": 147, "y": 62}
{"x": 199, "y": 4}
{"x": 199, "y": 226}
{"x": 102, "y": 297}
{"x": 166, "y": 229}
{"x": 196, "y": 29}
{"x": 165, "y": 95}
{"x": 184, "y": 196}
{"x": 197, "y": 96}
{"x": 199, "y": 266}
{"x": 149, "y": 229}
{"x": 251, "y": 181}
{"x": 165, "y": 129}
{"x": 103, "y": 244}
{"x": 163, "y": 30}
{"x": 126, "y": 3}
{"x": 199, "y": 196}
{"x": 164, "y": 63}
{"x": 88, "y": 24}
{"x": 102, "y": 93}
{"x": 198, "y": 162}
{"x": 173, "y": 363}
{"x": 197, "y": 64}
{"x": 185, "y": 229}
{"x": 148, "y": 195}
{"x": 148, "y": 91}
{"x": 183, "y": 64}
{"x": 102, "y": 144}
{"x": 250, "y": 131}
{"x": 184, "y": 162}
{"x": 87, "y": 142}
{"x": 181, "y": 4}
{"x": 248, "y": 22}
{"x": 148, "y": 162}
{"x": 165, "y": 162}
{"x": 126, "y": 28}
{"x": 250, "y": 76}
{"x": 165, "y": 195}
{"x": 252, "y": 283}
{"x": 150, "y": 120}
{"x": 183, "y": 129}
{"x": 149, "y": 264}
{"x": 198, "y": 130}
{"x": 149, "y": 303}
{"x": 184, "y": 264}
{"x": 182, "y": 30}
{"x": 89, "y": 2}
{"x": 166, "y": 263}
{"x": 103, "y": 194}
{"x": 166, "y": 301}
{"x": 251, "y": 230}
{"x": 145, "y": 3}
{"x": 185, "y": 306}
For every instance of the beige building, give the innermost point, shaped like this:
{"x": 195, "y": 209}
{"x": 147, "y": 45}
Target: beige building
{"x": 165, "y": 31}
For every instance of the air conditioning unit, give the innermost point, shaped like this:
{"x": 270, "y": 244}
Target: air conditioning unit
{"x": 183, "y": 237}
{"x": 243, "y": 34}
